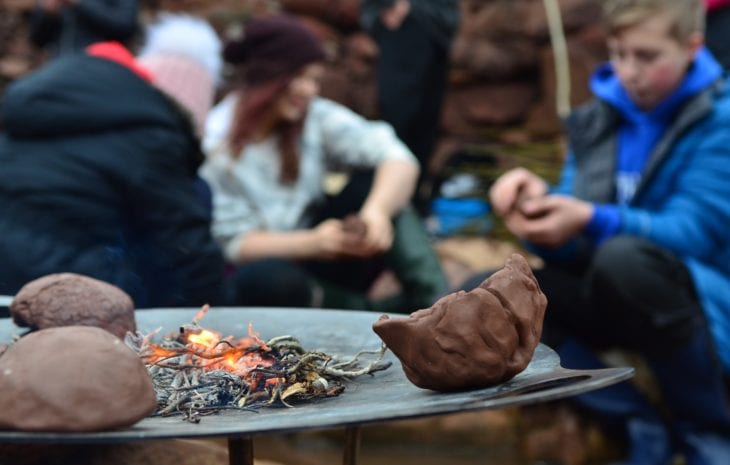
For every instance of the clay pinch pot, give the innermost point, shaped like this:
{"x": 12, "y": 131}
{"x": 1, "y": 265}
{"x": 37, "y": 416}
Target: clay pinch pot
{"x": 355, "y": 225}
{"x": 65, "y": 299}
{"x": 471, "y": 340}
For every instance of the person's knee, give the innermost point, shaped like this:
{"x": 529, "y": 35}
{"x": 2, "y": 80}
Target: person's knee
{"x": 613, "y": 253}
{"x": 622, "y": 265}
{"x": 647, "y": 291}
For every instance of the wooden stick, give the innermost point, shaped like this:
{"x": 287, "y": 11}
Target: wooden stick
{"x": 240, "y": 451}
{"x": 352, "y": 445}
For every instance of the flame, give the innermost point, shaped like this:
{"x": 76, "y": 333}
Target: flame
{"x": 274, "y": 381}
{"x": 201, "y": 313}
{"x": 186, "y": 369}
{"x": 205, "y": 338}
{"x": 206, "y": 349}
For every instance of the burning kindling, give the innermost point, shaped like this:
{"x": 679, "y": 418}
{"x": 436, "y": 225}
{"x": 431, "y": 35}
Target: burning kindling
{"x": 196, "y": 372}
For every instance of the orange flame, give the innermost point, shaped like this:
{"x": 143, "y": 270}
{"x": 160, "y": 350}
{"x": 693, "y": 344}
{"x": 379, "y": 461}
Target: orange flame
{"x": 209, "y": 351}
{"x": 205, "y": 338}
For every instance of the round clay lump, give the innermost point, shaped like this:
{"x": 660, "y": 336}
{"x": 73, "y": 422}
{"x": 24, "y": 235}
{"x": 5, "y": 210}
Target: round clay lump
{"x": 73, "y": 378}
{"x": 66, "y": 299}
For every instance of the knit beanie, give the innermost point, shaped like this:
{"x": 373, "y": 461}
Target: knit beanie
{"x": 183, "y": 54}
{"x": 272, "y": 47}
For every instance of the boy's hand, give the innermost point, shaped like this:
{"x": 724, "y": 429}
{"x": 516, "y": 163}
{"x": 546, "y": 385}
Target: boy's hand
{"x": 512, "y": 189}
{"x": 550, "y": 220}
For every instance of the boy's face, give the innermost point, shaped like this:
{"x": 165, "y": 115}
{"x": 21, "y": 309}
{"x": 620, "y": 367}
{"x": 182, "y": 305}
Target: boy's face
{"x": 649, "y": 62}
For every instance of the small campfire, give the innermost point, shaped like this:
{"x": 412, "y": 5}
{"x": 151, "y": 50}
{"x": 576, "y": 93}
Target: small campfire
{"x": 197, "y": 372}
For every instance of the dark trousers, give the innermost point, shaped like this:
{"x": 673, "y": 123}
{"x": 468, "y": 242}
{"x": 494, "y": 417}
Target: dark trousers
{"x": 344, "y": 283}
{"x": 289, "y": 283}
{"x": 631, "y": 295}
{"x": 634, "y": 295}
{"x": 412, "y": 79}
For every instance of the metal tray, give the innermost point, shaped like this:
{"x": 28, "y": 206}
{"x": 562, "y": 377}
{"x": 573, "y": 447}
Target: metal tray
{"x": 383, "y": 396}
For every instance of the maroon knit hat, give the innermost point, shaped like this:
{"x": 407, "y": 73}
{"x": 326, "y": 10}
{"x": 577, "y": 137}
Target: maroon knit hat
{"x": 273, "y": 46}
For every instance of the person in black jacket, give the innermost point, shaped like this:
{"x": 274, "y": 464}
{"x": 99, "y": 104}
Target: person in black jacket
{"x": 67, "y": 26}
{"x": 414, "y": 38}
{"x": 98, "y": 178}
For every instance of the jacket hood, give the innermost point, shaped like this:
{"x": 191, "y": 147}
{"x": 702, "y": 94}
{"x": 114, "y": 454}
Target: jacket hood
{"x": 82, "y": 94}
{"x": 702, "y": 73}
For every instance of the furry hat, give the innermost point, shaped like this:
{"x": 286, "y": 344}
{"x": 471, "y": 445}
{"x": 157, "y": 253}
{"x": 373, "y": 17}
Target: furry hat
{"x": 183, "y": 53}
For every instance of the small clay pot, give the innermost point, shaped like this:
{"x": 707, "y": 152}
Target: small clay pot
{"x": 475, "y": 339}
{"x": 355, "y": 225}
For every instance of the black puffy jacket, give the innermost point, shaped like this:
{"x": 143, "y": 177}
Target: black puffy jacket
{"x": 97, "y": 172}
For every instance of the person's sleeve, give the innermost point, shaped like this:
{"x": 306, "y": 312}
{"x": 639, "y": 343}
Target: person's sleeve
{"x": 116, "y": 17}
{"x": 218, "y": 123}
{"x": 354, "y": 141}
{"x": 169, "y": 212}
{"x": 606, "y": 220}
{"x": 566, "y": 180}
{"x": 605, "y": 223}
{"x": 694, "y": 213}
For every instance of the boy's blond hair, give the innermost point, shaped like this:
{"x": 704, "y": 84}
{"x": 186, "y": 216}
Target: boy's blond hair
{"x": 687, "y": 16}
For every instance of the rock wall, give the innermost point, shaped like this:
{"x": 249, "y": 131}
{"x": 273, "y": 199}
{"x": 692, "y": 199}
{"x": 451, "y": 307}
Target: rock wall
{"x": 502, "y": 84}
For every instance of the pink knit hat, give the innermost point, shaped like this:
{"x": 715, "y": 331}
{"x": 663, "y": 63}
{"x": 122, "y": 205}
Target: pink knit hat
{"x": 186, "y": 81}
{"x": 183, "y": 53}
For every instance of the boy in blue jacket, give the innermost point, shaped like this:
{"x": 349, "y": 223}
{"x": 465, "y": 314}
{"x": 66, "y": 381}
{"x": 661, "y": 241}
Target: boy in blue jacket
{"x": 635, "y": 238}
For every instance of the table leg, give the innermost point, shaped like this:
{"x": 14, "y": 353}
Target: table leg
{"x": 240, "y": 451}
{"x": 352, "y": 445}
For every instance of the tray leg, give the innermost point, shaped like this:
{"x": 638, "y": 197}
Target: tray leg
{"x": 240, "y": 451}
{"x": 352, "y": 445}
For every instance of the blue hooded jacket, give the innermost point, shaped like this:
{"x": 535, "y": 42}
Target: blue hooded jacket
{"x": 671, "y": 165}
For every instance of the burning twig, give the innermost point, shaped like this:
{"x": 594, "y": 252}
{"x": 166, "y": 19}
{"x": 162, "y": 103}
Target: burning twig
{"x": 197, "y": 373}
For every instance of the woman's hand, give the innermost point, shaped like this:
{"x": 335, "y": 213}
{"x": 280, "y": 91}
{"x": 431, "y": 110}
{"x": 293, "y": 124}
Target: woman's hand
{"x": 379, "y": 235}
{"x": 510, "y": 190}
{"x": 332, "y": 242}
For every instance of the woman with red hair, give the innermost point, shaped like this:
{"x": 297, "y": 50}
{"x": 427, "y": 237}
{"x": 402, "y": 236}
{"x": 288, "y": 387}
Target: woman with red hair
{"x": 270, "y": 145}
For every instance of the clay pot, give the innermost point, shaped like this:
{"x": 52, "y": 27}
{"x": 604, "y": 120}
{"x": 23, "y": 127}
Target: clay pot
{"x": 475, "y": 339}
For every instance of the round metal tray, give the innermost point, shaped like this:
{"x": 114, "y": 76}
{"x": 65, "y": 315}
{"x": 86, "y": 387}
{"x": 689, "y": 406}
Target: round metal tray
{"x": 381, "y": 397}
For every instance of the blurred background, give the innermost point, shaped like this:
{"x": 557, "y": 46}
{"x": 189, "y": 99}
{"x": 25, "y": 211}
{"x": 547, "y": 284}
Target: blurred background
{"x": 501, "y": 96}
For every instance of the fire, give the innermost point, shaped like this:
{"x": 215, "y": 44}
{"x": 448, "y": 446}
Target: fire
{"x": 208, "y": 340}
{"x": 208, "y": 350}
{"x": 198, "y": 372}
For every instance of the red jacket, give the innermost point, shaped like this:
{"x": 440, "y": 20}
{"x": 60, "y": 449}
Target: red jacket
{"x": 716, "y": 4}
